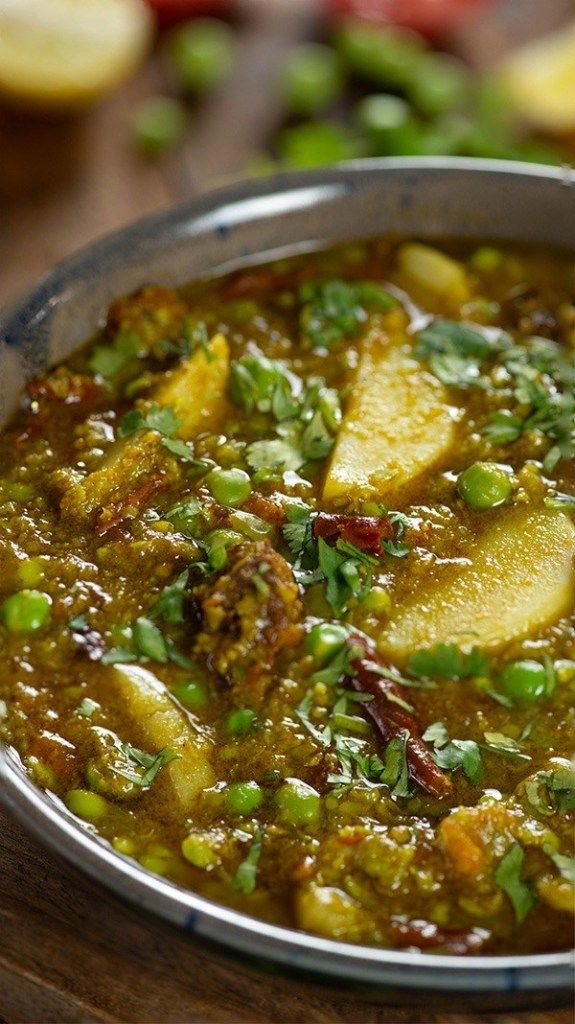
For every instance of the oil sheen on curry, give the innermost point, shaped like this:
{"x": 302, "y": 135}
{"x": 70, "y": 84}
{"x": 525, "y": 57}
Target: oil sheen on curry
{"x": 288, "y": 591}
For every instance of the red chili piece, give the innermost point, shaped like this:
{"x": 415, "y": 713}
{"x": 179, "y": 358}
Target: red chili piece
{"x": 365, "y": 532}
{"x": 391, "y": 720}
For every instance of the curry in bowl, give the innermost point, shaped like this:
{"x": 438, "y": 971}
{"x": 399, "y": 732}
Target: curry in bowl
{"x": 288, "y": 591}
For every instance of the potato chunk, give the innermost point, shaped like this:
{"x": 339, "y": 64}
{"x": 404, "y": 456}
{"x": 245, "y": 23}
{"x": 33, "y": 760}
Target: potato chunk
{"x": 158, "y": 722}
{"x": 519, "y": 579}
{"x": 437, "y": 275}
{"x": 138, "y": 466}
{"x": 398, "y": 422}
{"x": 196, "y": 389}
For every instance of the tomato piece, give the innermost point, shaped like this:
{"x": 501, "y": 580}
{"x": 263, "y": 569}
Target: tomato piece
{"x": 433, "y": 18}
{"x": 169, "y": 11}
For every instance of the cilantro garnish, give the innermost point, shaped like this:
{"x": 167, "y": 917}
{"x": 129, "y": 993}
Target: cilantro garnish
{"x": 108, "y": 360}
{"x": 185, "y": 516}
{"x": 395, "y": 772}
{"x": 335, "y": 310}
{"x": 159, "y": 418}
{"x": 79, "y": 624}
{"x": 552, "y": 791}
{"x": 542, "y": 381}
{"x": 454, "y": 754}
{"x": 151, "y": 763}
{"x": 164, "y": 421}
{"x": 508, "y": 877}
{"x": 170, "y": 604}
{"x": 196, "y": 336}
{"x": 245, "y": 877}
{"x": 505, "y": 746}
{"x": 447, "y": 661}
{"x": 258, "y": 383}
{"x": 564, "y": 864}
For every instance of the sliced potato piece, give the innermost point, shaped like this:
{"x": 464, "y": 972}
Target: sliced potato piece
{"x": 520, "y": 578}
{"x": 196, "y": 389}
{"x": 138, "y": 465}
{"x": 132, "y": 471}
{"x": 158, "y": 722}
{"x": 438, "y": 275}
{"x": 398, "y": 422}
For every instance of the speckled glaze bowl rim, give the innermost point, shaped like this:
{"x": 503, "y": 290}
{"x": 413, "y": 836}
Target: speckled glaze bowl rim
{"x": 544, "y": 976}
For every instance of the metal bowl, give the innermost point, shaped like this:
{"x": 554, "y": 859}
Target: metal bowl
{"x": 251, "y": 223}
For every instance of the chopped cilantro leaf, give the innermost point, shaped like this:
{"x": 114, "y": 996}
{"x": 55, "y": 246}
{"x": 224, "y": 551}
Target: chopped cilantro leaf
{"x": 149, "y": 640}
{"x": 498, "y": 743}
{"x": 245, "y": 877}
{"x": 258, "y": 383}
{"x": 508, "y": 877}
{"x": 395, "y": 772}
{"x": 565, "y": 865}
{"x": 182, "y": 449}
{"x": 151, "y": 763}
{"x": 335, "y": 310}
{"x": 185, "y": 516}
{"x": 79, "y": 624}
{"x": 454, "y": 754}
{"x": 170, "y": 604}
{"x": 159, "y": 418}
{"x": 108, "y": 360}
{"x": 118, "y": 656}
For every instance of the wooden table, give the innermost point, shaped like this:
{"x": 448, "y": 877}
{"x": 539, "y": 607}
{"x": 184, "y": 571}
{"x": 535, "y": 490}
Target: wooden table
{"x": 69, "y": 951}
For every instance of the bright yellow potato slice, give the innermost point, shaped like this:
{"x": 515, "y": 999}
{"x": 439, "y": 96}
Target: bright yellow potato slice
{"x": 438, "y": 275}
{"x": 58, "y": 54}
{"x": 520, "y": 578}
{"x": 158, "y": 722}
{"x": 398, "y": 423}
{"x": 196, "y": 389}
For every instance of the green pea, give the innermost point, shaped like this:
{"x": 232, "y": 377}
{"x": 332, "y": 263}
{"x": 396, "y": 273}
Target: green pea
{"x": 192, "y": 694}
{"x": 26, "y": 611}
{"x": 198, "y": 850}
{"x": 526, "y": 681}
{"x": 439, "y": 83}
{"x": 314, "y": 143}
{"x": 230, "y": 487}
{"x": 487, "y": 259}
{"x": 298, "y": 804}
{"x": 239, "y": 722}
{"x": 311, "y": 79}
{"x": 383, "y": 118}
{"x": 86, "y": 804}
{"x": 485, "y": 485}
{"x": 158, "y": 124}
{"x": 200, "y": 54}
{"x": 377, "y": 600}
{"x": 324, "y": 640}
{"x": 244, "y": 797}
{"x": 31, "y": 571}
{"x": 218, "y": 541}
{"x": 387, "y": 56}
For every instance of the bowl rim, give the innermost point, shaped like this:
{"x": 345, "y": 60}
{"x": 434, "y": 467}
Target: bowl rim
{"x": 47, "y": 817}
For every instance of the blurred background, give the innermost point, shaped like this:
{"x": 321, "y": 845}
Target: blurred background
{"x": 111, "y": 109}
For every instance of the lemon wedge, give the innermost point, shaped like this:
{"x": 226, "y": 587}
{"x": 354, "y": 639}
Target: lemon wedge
{"x": 540, "y": 81}
{"x": 62, "y": 54}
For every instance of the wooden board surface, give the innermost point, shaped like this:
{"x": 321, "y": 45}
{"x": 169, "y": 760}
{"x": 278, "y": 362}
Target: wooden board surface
{"x": 69, "y": 951}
